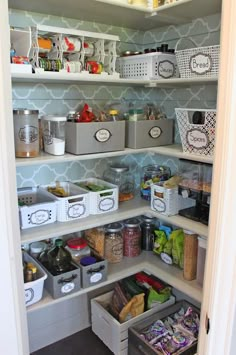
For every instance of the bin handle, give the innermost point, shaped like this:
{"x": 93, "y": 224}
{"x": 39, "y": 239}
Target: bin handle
{"x": 65, "y": 281}
{"x": 98, "y": 269}
{"x": 187, "y": 43}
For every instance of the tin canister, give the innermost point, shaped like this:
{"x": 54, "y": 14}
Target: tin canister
{"x": 26, "y": 133}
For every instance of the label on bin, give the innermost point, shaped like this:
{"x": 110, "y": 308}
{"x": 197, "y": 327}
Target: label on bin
{"x": 158, "y": 205}
{"x": 102, "y": 135}
{"x": 166, "y": 69}
{"x": 200, "y": 63}
{"x": 106, "y": 204}
{"x": 96, "y": 277}
{"x": 68, "y": 287}
{"x": 197, "y": 139}
{"x": 39, "y": 217}
{"x": 29, "y": 295}
{"x": 155, "y": 132}
{"x": 76, "y": 210}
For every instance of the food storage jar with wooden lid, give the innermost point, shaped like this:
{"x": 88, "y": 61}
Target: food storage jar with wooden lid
{"x": 26, "y": 133}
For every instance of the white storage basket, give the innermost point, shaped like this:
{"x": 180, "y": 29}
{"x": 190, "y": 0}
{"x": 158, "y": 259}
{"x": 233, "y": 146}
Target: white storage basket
{"x": 102, "y": 201}
{"x": 148, "y": 66}
{"x": 34, "y": 289}
{"x": 72, "y": 207}
{"x": 197, "y": 61}
{"x": 198, "y": 139}
{"x": 113, "y": 333}
{"x": 38, "y": 208}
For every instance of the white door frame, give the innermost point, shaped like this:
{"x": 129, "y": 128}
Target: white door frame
{"x": 13, "y": 334}
{"x": 219, "y": 301}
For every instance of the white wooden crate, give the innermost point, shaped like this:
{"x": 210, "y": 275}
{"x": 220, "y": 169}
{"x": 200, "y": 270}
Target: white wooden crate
{"x": 113, "y": 333}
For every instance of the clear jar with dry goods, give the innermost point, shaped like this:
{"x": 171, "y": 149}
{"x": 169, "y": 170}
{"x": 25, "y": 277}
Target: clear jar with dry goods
{"x": 132, "y": 237}
{"x": 26, "y": 133}
{"x": 113, "y": 242}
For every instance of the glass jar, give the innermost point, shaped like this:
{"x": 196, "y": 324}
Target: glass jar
{"x": 132, "y": 237}
{"x": 36, "y": 248}
{"x": 119, "y": 175}
{"x": 78, "y": 248}
{"x": 26, "y": 133}
{"x": 113, "y": 242}
{"x": 147, "y": 233}
{"x": 152, "y": 174}
{"x": 54, "y": 134}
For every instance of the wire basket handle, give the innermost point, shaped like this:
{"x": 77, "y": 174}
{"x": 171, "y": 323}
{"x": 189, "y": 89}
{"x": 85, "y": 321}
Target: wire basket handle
{"x": 184, "y": 43}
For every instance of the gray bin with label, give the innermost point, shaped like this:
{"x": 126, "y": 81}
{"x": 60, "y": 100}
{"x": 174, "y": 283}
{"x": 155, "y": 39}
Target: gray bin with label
{"x": 94, "y": 274}
{"x": 62, "y": 285}
{"x": 148, "y": 133}
{"x": 94, "y": 137}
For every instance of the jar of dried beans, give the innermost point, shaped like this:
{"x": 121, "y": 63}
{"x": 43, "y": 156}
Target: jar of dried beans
{"x": 132, "y": 237}
{"x": 113, "y": 242}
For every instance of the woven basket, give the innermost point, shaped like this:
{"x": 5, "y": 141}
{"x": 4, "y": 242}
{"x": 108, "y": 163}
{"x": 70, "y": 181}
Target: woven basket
{"x": 197, "y": 61}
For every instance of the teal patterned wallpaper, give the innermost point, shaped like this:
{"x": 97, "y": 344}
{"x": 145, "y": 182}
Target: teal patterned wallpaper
{"x": 60, "y": 98}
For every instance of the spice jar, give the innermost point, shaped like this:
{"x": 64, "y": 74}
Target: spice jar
{"x": 152, "y": 174}
{"x": 78, "y": 248}
{"x": 119, "y": 175}
{"x": 26, "y": 133}
{"x": 147, "y": 233}
{"x": 132, "y": 237}
{"x": 113, "y": 242}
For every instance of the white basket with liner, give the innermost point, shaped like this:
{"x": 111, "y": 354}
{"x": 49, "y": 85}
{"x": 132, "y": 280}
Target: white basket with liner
{"x": 202, "y": 62}
{"x": 73, "y": 206}
{"x": 197, "y": 139}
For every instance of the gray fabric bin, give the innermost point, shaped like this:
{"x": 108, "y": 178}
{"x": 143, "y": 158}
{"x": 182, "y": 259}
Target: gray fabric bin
{"x": 93, "y": 274}
{"x": 94, "y": 137}
{"x": 145, "y": 134}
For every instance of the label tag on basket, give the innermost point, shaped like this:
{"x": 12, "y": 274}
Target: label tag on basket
{"x": 76, "y": 210}
{"x": 68, "y": 287}
{"x": 106, "y": 204}
{"x": 166, "y": 69}
{"x": 39, "y": 217}
{"x": 96, "y": 277}
{"x": 29, "y": 295}
{"x": 155, "y": 132}
{"x": 159, "y": 205}
{"x": 197, "y": 138}
{"x": 102, "y": 135}
{"x": 200, "y": 63}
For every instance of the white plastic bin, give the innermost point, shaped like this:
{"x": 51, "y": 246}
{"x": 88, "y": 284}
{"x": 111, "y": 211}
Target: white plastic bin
{"x": 202, "y": 246}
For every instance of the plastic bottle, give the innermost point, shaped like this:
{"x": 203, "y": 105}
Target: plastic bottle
{"x": 59, "y": 258}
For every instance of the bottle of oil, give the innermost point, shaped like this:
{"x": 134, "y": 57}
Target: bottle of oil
{"x": 59, "y": 259}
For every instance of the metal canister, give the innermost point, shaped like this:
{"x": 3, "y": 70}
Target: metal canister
{"x": 26, "y": 133}
{"x": 147, "y": 233}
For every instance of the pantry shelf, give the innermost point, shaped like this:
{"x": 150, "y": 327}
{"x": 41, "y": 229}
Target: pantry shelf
{"x": 174, "y": 150}
{"x": 128, "y": 209}
{"x": 148, "y": 262}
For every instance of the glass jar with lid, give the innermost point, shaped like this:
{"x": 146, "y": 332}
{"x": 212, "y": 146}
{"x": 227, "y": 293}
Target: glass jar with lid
{"x": 119, "y": 174}
{"x": 132, "y": 237}
{"x": 147, "y": 233}
{"x": 78, "y": 248}
{"x": 113, "y": 242}
{"x": 152, "y": 174}
{"x": 26, "y": 133}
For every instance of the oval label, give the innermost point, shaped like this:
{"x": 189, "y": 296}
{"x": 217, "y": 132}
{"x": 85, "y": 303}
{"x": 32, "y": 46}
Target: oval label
{"x": 39, "y": 217}
{"x": 68, "y": 287}
{"x": 76, "y": 210}
{"x": 106, "y": 204}
{"x": 28, "y": 134}
{"x": 102, "y": 135}
{"x": 158, "y": 205}
{"x": 29, "y": 295}
{"x": 96, "y": 277}
{"x": 197, "y": 139}
{"x": 166, "y": 69}
{"x": 200, "y": 63}
{"x": 166, "y": 258}
{"x": 155, "y": 132}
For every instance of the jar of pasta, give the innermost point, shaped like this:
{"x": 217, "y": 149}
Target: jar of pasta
{"x": 132, "y": 237}
{"x": 113, "y": 242}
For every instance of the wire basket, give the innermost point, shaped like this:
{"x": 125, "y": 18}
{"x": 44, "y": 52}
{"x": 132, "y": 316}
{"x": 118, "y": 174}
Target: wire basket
{"x": 197, "y": 61}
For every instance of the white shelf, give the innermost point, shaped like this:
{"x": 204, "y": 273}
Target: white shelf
{"x": 119, "y": 13}
{"x": 174, "y": 150}
{"x": 128, "y": 209}
{"x": 148, "y": 262}
{"x": 54, "y": 77}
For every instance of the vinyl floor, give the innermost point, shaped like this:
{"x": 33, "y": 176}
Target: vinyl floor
{"x": 81, "y": 343}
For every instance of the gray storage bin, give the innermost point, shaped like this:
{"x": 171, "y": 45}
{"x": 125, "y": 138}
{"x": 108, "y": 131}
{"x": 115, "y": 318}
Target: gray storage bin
{"x": 138, "y": 346}
{"x": 148, "y": 133}
{"x": 63, "y": 284}
{"x": 95, "y": 137}
{"x": 94, "y": 274}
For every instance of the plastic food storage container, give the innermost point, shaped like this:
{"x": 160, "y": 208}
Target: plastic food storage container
{"x": 54, "y": 134}
{"x": 113, "y": 242}
{"x": 152, "y": 174}
{"x": 190, "y": 255}
{"x": 26, "y": 133}
{"x": 132, "y": 237}
{"x": 201, "y": 257}
{"x": 78, "y": 248}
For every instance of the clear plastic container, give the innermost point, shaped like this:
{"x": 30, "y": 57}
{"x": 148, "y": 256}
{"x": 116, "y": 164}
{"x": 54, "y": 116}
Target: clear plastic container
{"x": 54, "y": 134}
{"x": 119, "y": 175}
{"x": 36, "y": 248}
{"x": 78, "y": 248}
{"x": 191, "y": 183}
{"x": 132, "y": 237}
{"x": 152, "y": 174}
{"x": 113, "y": 243}
{"x": 201, "y": 257}
{"x": 26, "y": 133}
